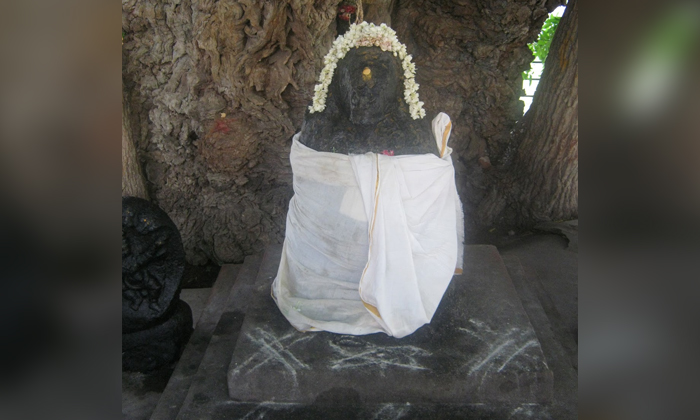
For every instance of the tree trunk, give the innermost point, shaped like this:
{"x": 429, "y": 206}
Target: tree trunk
{"x": 133, "y": 183}
{"x": 540, "y": 181}
{"x": 219, "y": 88}
{"x": 378, "y": 11}
{"x": 469, "y": 60}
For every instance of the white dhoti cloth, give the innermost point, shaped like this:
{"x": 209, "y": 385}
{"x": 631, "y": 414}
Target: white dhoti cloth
{"x": 372, "y": 241}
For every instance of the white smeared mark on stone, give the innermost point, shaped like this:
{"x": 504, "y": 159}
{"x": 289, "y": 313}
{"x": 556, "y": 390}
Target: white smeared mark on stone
{"x": 251, "y": 415}
{"x": 391, "y": 411}
{"x": 481, "y": 332}
{"x": 490, "y": 356}
{"x": 376, "y": 356}
{"x": 523, "y": 347}
{"x": 273, "y": 350}
{"x": 528, "y": 411}
{"x": 481, "y": 325}
{"x": 503, "y": 348}
{"x": 472, "y": 333}
{"x": 483, "y": 376}
{"x": 261, "y": 410}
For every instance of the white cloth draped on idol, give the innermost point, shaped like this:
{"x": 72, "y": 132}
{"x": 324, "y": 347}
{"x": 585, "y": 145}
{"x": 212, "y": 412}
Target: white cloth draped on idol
{"x": 372, "y": 241}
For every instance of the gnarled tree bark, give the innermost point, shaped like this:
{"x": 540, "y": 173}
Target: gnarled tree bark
{"x": 539, "y": 181}
{"x": 218, "y": 88}
{"x": 469, "y": 58}
{"x": 378, "y": 11}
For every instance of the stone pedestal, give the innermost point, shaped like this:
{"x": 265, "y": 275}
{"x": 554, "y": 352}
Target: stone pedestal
{"x": 479, "y": 348}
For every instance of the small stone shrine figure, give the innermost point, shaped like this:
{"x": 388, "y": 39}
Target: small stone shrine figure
{"x": 375, "y": 227}
{"x": 156, "y": 324}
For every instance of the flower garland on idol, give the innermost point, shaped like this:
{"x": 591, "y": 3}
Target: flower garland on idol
{"x": 369, "y": 35}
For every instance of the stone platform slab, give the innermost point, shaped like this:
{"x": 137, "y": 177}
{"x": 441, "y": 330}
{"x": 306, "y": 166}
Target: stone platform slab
{"x": 479, "y": 348}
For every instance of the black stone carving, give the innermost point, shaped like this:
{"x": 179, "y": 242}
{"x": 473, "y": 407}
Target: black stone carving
{"x": 152, "y": 348}
{"x": 153, "y": 262}
{"x": 155, "y": 322}
{"x": 365, "y": 111}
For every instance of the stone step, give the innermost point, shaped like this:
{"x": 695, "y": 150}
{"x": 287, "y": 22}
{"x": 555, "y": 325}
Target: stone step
{"x": 558, "y": 323}
{"x": 564, "y": 405}
{"x": 175, "y": 391}
{"x": 197, "y": 299}
{"x": 554, "y": 273}
{"x": 209, "y": 382}
{"x": 479, "y": 358}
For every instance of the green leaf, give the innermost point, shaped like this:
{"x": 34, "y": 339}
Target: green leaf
{"x": 540, "y": 48}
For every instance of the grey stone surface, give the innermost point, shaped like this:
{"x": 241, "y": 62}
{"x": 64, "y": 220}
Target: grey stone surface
{"x": 208, "y": 387}
{"x": 553, "y": 272}
{"x": 197, "y": 300}
{"x": 141, "y": 392}
{"x": 344, "y": 405}
{"x": 564, "y": 404}
{"x": 479, "y": 348}
{"x": 174, "y": 394}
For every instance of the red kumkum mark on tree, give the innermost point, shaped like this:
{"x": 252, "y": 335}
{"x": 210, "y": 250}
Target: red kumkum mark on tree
{"x": 388, "y": 152}
{"x": 220, "y": 126}
{"x": 344, "y": 12}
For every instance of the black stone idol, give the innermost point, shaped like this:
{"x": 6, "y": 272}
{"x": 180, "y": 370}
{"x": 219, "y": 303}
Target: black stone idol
{"x": 156, "y": 324}
{"x": 365, "y": 110}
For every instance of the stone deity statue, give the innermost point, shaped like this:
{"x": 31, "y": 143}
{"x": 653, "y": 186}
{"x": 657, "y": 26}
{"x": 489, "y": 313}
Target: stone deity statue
{"x": 375, "y": 228}
{"x": 365, "y": 110}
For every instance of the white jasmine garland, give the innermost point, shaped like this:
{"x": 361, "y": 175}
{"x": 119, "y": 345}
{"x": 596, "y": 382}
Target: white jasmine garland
{"x": 369, "y": 35}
